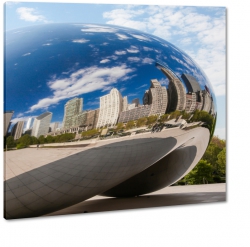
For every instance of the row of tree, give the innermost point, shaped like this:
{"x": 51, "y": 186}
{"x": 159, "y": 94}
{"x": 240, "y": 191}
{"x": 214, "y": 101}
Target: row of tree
{"x": 212, "y": 166}
{"x": 26, "y": 140}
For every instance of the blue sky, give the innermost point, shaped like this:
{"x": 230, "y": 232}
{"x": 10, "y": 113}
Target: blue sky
{"x": 199, "y": 31}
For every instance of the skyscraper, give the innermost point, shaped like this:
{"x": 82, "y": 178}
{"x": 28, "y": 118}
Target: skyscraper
{"x": 192, "y": 85}
{"x": 155, "y": 101}
{"x": 136, "y": 102}
{"x": 53, "y": 126}
{"x": 7, "y": 117}
{"x": 29, "y": 123}
{"x": 177, "y": 91}
{"x": 17, "y": 130}
{"x": 41, "y": 124}
{"x": 71, "y": 109}
{"x": 158, "y": 98}
{"x": 125, "y": 103}
{"x": 110, "y": 108}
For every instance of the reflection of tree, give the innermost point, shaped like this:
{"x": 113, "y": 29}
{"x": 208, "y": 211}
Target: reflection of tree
{"x": 141, "y": 122}
{"x": 130, "y": 125}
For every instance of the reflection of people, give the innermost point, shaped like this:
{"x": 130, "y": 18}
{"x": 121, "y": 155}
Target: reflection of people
{"x": 37, "y": 146}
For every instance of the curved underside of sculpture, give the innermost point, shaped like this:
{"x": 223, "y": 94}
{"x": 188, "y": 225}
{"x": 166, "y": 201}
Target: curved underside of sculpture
{"x": 120, "y": 167}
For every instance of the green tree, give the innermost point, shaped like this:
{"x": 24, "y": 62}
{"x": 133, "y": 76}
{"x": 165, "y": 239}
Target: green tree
{"x": 119, "y": 126}
{"x": 164, "y": 118}
{"x": 41, "y": 139}
{"x": 49, "y": 139}
{"x": 90, "y": 133}
{"x": 34, "y": 140}
{"x": 25, "y": 140}
{"x": 141, "y": 122}
{"x": 130, "y": 125}
{"x": 10, "y": 142}
{"x": 202, "y": 173}
{"x": 221, "y": 161}
{"x": 151, "y": 119}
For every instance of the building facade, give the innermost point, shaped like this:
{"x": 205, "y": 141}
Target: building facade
{"x": 176, "y": 90}
{"x": 71, "y": 109}
{"x": 110, "y": 108}
{"x": 41, "y": 124}
{"x": 155, "y": 102}
{"x": 7, "y": 117}
{"x": 17, "y": 130}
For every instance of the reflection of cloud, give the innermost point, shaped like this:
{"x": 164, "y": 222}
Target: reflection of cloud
{"x": 145, "y": 48}
{"x": 184, "y": 26}
{"x": 140, "y": 37}
{"x": 30, "y": 14}
{"x": 98, "y": 29}
{"x": 47, "y": 44}
{"x": 122, "y": 36}
{"x": 20, "y": 118}
{"x": 134, "y": 59}
{"x": 120, "y": 52}
{"x": 80, "y": 41}
{"x": 221, "y": 132}
{"x": 105, "y": 61}
{"x": 93, "y": 103}
{"x": 164, "y": 81}
{"x": 26, "y": 54}
{"x": 133, "y": 49}
{"x": 147, "y": 60}
{"x": 80, "y": 82}
{"x": 142, "y": 86}
{"x": 132, "y": 94}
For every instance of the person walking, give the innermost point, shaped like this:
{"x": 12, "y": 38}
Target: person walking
{"x": 37, "y": 146}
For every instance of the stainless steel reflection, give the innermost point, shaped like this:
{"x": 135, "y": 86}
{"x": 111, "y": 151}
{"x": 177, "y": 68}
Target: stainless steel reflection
{"x": 141, "y": 110}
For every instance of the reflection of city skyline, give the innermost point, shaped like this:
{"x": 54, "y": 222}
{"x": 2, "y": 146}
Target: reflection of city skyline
{"x": 181, "y": 95}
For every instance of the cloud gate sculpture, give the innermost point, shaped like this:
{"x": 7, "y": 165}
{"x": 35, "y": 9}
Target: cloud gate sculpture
{"x": 139, "y": 110}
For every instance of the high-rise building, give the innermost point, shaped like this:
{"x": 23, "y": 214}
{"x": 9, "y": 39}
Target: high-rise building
{"x": 177, "y": 91}
{"x": 53, "y": 126}
{"x": 7, "y": 117}
{"x": 92, "y": 118}
{"x": 29, "y": 123}
{"x": 71, "y": 109}
{"x": 207, "y": 101}
{"x": 17, "y": 130}
{"x": 155, "y": 101}
{"x": 110, "y": 108}
{"x": 158, "y": 98}
{"x": 41, "y": 124}
{"x": 136, "y": 102}
{"x": 191, "y": 84}
{"x": 124, "y": 103}
{"x": 191, "y": 102}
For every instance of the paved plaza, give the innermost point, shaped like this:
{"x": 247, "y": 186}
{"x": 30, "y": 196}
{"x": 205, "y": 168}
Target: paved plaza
{"x": 169, "y": 196}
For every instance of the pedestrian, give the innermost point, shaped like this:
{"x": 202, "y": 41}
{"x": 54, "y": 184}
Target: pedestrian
{"x": 37, "y": 146}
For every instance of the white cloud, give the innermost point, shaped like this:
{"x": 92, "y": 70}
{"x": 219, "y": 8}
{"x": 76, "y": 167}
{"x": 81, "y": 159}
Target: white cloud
{"x": 220, "y": 132}
{"x": 147, "y": 60}
{"x": 30, "y": 14}
{"x": 105, "y": 61}
{"x": 80, "y": 82}
{"x": 142, "y": 86}
{"x": 47, "y": 44}
{"x": 98, "y": 29}
{"x": 140, "y": 37}
{"x": 120, "y": 52}
{"x": 122, "y": 36}
{"x": 133, "y": 49}
{"x": 26, "y": 54}
{"x": 80, "y": 41}
{"x": 201, "y": 35}
{"x": 134, "y": 59}
{"x": 20, "y": 118}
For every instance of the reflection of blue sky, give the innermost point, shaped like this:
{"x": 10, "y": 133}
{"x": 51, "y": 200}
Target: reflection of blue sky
{"x": 75, "y": 64}
{"x": 200, "y": 31}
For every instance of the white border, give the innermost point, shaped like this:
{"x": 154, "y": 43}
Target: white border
{"x": 222, "y": 224}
